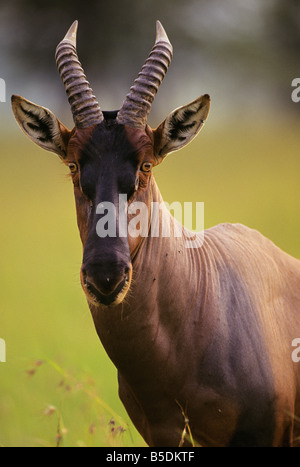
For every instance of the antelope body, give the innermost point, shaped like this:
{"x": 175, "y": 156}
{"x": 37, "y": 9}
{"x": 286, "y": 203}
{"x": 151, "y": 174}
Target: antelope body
{"x": 203, "y": 333}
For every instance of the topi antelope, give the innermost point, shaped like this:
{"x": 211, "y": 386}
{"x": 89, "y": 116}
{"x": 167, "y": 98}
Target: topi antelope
{"x": 202, "y": 333}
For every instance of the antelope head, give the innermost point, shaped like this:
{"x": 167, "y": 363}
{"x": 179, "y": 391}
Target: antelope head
{"x": 108, "y": 154}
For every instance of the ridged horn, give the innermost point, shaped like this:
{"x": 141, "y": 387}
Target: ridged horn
{"x": 84, "y": 106}
{"x": 137, "y": 105}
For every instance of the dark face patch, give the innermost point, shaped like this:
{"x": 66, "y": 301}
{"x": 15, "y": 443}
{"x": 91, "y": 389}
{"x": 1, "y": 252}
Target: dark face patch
{"x": 109, "y": 164}
{"x": 109, "y": 159}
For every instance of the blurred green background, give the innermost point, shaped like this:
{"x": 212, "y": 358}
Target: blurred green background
{"x": 58, "y": 387}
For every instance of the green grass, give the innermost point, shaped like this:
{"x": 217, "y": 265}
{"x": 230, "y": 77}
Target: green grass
{"x": 244, "y": 173}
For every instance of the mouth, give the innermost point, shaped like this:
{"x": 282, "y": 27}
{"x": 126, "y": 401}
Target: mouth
{"x": 95, "y": 297}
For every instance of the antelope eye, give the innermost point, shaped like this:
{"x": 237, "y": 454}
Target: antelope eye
{"x": 73, "y": 167}
{"x": 146, "y": 166}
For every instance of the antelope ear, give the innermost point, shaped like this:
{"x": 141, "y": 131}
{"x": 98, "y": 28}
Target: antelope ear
{"x": 41, "y": 126}
{"x": 180, "y": 127}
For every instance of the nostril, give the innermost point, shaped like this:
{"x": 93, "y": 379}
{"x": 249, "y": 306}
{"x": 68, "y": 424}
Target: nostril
{"x": 84, "y": 276}
{"x": 126, "y": 276}
{"x": 91, "y": 288}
